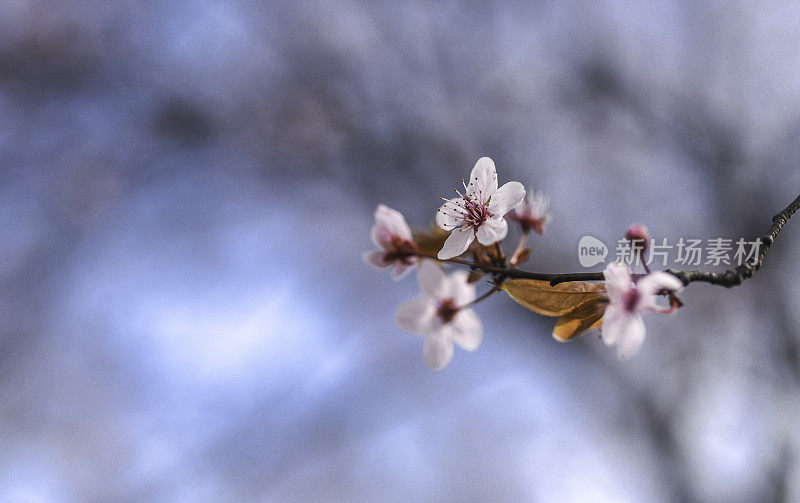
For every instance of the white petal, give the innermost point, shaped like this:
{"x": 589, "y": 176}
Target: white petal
{"x": 432, "y": 279}
{"x": 400, "y": 270}
{"x": 492, "y": 231}
{"x": 459, "y": 289}
{"x": 457, "y": 243}
{"x": 611, "y": 319}
{"x": 437, "y": 351}
{"x": 539, "y": 204}
{"x": 632, "y": 339}
{"x": 467, "y": 330}
{"x": 381, "y": 235}
{"x": 656, "y": 281}
{"x": 508, "y": 196}
{"x": 618, "y": 281}
{"x": 449, "y": 214}
{"x": 416, "y": 316}
{"x": 626, "y": 332}
{"x": 393, "y": 221}
{"x": 483, "y": 178}
{"x": 375, "y": 259}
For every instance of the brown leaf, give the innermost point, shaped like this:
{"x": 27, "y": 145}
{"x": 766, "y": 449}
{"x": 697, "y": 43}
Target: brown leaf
{"x": 540, "y": 297}
{"x": 430, "y": 240}
{"x": 584, "y": 317}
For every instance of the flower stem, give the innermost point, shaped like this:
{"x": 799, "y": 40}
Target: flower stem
{"x": 523, "y": 241}
{"x": 499, "y": 252}
{"x": 497, "y": 287}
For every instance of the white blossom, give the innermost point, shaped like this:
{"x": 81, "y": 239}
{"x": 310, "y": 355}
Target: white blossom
{"x": 532, "y": 213}
{"x": 397, "y": 246}
{"x": 440, "y": 315}
{"x": 479, "y": 211}
{"x": 622, "y": 323}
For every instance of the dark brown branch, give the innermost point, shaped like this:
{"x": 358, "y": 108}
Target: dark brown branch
{"x": 734, "y": 277}
{"x": 728, "y": 279}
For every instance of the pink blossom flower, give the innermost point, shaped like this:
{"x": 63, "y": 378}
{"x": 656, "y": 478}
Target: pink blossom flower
{"x": 392, "y": 234}
{"x": 478, "y": 212}
{"x": 440, "y": 315}
{"x": 532, "y": 214}
{"x": 622, "y": 322}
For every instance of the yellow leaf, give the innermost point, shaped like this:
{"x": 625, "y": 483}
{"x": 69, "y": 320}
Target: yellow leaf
{"x": 540, "y": 297}
{"x": 584, "y": 317}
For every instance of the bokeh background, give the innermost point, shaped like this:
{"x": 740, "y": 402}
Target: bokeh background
{"x": 187, "y": 187}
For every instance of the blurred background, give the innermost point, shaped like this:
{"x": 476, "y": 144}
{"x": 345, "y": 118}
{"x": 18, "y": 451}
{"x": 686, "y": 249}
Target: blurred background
{"x": 187, "y": 187}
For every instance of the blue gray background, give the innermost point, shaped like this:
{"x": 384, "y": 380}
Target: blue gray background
{"x": 187, "y": 187}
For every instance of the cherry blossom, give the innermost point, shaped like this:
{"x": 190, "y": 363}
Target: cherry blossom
{"x": 440, "y": 315}
{"x": 532, "y": 213}
{"x": 393, "y": 235}
{"x": 622, "y": 323}
{"x": 478, "y": 212}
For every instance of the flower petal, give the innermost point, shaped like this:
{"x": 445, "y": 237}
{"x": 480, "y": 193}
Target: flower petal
{"x": 392, "y": 221}
{"x": 610, "y": 319}
{"x": 632, "y": 341}
{"x": 492, "y": 231}
{"x": 459, "y": 289}
{"x": 457, "y": 243}
{"x": 626, "y": 332}
{"x": 416, "y": 316}
{"x": 506, "y": 197}
{"x": 437, "y": 350}
{"x": 432, "y": 279}
{"x": 401, "y": 269}
{"x": 483, "y": 179}
{"x": 449, "y": 214}
{"x": 538, "y": 204}
{"x": 467, "y": 330}
{"x": 375, "y": 259}
{"x": 381, "y": 235}
{"x": 618, "y": 281}
{"x": 659, "y": 280}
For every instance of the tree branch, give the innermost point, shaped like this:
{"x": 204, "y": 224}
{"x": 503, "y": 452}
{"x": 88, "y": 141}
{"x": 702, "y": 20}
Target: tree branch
{"x": 734, "y": 277}
{"x": 728, "y": 279}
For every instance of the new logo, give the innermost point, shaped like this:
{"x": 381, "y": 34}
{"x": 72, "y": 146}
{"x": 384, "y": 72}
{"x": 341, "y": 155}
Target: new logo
{"x": 591, "y": 251}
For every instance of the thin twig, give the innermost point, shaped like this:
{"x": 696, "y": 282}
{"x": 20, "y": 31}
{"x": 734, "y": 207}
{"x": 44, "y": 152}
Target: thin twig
{"x": 734, "y": 277}
{"x": 495, "y": 288}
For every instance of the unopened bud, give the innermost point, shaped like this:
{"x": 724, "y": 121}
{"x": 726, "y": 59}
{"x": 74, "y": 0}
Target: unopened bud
{"x": 639, "y": 236}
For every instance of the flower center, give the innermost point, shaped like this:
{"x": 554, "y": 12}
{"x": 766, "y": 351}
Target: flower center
{"x": 400, "y": 249}
{"x": 631, "y": 299}
{"x": 471, "y": 209}
{"x": 528, "y": 222}
{"x": 447, "y": 310}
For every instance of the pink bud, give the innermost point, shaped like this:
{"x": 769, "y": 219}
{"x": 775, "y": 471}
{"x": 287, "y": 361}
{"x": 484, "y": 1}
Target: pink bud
{"x": 639, "y": 236}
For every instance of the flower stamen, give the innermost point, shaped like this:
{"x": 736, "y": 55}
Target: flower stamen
{"x": 447, "y": 310}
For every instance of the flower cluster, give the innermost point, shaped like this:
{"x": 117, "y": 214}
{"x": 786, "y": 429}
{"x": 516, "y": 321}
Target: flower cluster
{"x": 474, "y": 224}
